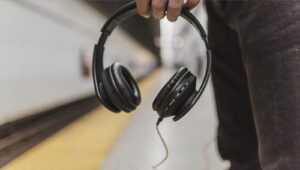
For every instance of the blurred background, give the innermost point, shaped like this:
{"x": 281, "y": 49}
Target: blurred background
{"x": 49, "y": 116}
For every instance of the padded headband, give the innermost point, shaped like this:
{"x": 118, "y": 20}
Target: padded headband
{"x": 122, "y": 15}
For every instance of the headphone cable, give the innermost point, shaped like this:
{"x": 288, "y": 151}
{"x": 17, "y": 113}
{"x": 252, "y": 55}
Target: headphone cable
{"x": 160, "y": 119}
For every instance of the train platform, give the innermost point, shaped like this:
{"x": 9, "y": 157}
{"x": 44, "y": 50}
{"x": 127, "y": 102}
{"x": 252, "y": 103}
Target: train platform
{"x": 107, "y": 141}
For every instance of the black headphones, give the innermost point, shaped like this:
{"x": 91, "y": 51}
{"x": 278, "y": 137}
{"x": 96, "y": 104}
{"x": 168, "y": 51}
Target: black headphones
{"x": 117, "y": 90}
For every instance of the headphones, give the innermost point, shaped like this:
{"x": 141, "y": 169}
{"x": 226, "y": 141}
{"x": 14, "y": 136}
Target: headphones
{"x": 117, "y": 90}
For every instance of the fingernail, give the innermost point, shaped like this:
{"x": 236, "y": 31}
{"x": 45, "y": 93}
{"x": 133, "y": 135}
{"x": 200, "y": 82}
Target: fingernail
{"x": 146, "y": 16}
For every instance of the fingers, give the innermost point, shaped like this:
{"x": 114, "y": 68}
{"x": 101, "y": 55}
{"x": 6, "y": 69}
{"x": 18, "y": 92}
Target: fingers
{"x": 190, "y": 4}
{"x": 143, "y": 7}
{"x": 174, "y": 9}
{"x": 159, "y": 8}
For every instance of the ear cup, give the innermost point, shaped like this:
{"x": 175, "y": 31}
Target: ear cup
{"x": 178, "y": 96}
{"x": 167, "y": 87}
{"x": 126, "y": 84}
{"x": 175, "y": 93}
{"x": 185, "y": 108}
{"x": 121, "y": 88}
{"x": 105, "y": 100}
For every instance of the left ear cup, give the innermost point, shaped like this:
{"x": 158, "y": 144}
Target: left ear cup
{"x": 105, "y": 100}
{"x": 121, "y": 87}
{"x": 175, "y": 93}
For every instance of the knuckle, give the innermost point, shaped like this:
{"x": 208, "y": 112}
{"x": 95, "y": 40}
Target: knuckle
{"x": 175, "y": 5}
{"x": 158, "y": 15}
{"x": 142, "y": 7}
{"x": 141, "y": 12}
{"x": 158, "y": 4}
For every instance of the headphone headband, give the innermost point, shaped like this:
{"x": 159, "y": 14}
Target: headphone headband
{"x": 122, "y": 15}
{"x": 129, "y": 10}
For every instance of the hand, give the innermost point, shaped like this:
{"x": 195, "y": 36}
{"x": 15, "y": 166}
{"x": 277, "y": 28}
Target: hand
{"x": 160, "y": 8}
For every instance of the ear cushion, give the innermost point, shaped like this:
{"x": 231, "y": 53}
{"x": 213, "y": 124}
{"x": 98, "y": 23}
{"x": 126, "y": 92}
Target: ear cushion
{"x": 126, "y": 84}
{"x": 168, "y": 87}
{"x": 105, "y": 100}
{"x": 121, "y": 88}
{"x": 112, "y": 91}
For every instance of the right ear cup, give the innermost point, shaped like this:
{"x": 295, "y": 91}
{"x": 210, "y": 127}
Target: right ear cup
{"x": 175, "y": 93}
{"x": 121, "y": 89}
{"x": 167, "y": 87}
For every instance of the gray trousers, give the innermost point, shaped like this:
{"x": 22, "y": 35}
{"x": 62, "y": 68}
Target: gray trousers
{"x": 256, "y": 75}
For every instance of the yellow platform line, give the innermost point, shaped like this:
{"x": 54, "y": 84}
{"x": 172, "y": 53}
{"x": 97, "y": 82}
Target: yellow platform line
{"x": 82, "y": 145}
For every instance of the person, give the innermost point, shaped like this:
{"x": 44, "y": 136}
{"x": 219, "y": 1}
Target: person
{"x": 256, "y": 77}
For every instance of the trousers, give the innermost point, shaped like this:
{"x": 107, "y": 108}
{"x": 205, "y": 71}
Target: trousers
{"x": 256, "y": 75}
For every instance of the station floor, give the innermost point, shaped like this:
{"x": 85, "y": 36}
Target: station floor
{"x": 106, "y": 141}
